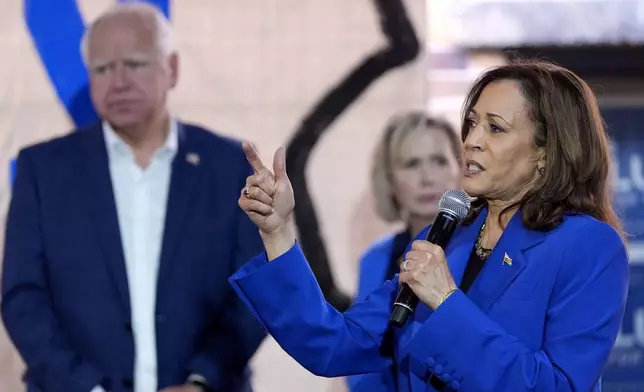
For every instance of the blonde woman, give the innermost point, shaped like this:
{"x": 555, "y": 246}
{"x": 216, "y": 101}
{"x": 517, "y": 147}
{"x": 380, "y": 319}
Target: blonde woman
{"x": 417, "y": 159}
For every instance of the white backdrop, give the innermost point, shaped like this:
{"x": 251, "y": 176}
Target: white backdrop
{"x": 251, "y": 69}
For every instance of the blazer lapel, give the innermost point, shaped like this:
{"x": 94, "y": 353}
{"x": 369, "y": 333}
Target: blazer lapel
{"x": 95, "y": 182}
{"x": 187, "y": 168}
{"x": 505, "y": 262}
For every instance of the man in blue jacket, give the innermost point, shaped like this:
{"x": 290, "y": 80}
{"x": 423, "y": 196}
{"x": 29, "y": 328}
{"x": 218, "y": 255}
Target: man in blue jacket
{"x": 121, "y": 237}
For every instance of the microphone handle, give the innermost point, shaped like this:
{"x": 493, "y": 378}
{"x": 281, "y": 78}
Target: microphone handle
{"x": 439, "y": 234}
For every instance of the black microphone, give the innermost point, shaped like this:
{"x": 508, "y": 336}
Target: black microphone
{"x": 452, "y": 208}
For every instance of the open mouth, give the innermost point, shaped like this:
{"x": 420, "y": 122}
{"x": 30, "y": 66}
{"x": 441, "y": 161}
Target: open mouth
{"x": 473, "y": 167}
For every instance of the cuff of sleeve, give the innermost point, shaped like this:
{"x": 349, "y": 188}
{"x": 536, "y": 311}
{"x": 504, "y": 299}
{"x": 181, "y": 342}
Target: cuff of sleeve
{"x": 254, "y": 282}
{"x": 197, "y": 378}
{"x": 200, "y": 381}
{"x": 443, "y": 333}
{"x": 203, "y": 372}
{"x": 85, "y": 377}
{"x": 261, "y": 262}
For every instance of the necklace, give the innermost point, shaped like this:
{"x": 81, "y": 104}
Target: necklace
{"x": 481, "y": 252}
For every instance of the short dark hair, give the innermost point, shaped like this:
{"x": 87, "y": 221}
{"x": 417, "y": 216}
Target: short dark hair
{"x": 569, "y": 127}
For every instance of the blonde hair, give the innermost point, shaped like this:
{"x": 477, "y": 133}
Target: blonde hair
{"x": 398, "y": 127}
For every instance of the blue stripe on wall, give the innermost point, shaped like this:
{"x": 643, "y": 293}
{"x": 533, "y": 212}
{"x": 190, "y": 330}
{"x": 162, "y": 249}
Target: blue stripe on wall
{"x": 56, "y": 28}
{"x": 12, "y": 170}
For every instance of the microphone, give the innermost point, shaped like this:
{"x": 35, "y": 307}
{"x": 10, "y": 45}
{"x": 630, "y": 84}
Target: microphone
{"x": 452, "y": 208}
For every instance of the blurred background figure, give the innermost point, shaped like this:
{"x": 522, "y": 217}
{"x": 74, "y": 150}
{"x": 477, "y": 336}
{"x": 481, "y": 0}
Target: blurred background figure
{"x": 121, "y": 235}
{"x": 417, "y": 159}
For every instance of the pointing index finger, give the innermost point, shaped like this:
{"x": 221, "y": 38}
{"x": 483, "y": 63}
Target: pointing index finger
{"x": 253, "y": 157}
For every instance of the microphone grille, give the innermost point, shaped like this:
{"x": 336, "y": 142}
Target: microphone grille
{"x": 456, "y": 202}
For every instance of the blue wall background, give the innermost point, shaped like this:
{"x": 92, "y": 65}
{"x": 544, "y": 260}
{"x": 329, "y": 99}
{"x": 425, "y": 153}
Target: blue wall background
{"x": 625, "y": 371}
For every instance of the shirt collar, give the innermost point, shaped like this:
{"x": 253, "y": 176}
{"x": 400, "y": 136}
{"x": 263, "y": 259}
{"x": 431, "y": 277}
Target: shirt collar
{"x": 114, "y": 142}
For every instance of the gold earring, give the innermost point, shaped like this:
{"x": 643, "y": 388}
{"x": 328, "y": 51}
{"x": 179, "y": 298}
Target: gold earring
{"x": 542, "y": 170}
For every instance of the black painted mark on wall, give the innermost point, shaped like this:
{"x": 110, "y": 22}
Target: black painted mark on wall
{"x": 402, "y": 47}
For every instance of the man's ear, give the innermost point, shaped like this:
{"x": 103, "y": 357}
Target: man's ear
{"x": 174, "y": 69}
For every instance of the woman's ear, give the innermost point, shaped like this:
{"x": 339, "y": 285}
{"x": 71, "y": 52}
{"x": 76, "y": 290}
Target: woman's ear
{"x": 542, "y": 161}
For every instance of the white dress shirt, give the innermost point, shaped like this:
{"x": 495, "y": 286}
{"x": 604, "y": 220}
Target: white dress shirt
{"x": 141, "y": 200}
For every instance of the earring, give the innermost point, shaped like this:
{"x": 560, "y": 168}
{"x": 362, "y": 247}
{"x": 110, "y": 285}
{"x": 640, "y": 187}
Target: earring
{"x": 542, "y": 170}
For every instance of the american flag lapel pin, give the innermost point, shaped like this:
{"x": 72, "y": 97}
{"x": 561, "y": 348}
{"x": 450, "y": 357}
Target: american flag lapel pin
{"x": 193, "y": 158}
{"x": 507, "y": 260}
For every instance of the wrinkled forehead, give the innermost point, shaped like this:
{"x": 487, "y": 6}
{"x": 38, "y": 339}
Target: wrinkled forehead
{"x": 122, "y": 36}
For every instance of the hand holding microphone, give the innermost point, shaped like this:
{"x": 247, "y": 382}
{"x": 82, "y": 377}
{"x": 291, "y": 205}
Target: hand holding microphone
{"x": 425, "y": 275}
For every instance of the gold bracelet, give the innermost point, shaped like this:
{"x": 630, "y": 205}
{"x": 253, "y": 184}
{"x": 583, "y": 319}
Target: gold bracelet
{"x": 445, "y": 296}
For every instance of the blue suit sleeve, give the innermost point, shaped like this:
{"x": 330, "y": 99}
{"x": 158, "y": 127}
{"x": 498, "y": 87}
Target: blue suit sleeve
{"x": 27, "y": 311}
{"x": 285, "y": 297}
{"x": 225, "y": 354}
{"x": 583, "y": 319}
{"x": 383, "y": 381}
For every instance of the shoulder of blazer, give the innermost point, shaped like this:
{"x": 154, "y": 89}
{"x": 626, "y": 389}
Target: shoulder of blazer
{"x": 62, "y": 145}
{"x": 378, "y": 249}
{"x": 589, "y": 249}
{"x": 210, "y": 139}
{"x": 216, "y": 150}
{"x": 583, "y": 227}
{"x": 372, "y": 265}
{"x": 382, "y": 244}
{"x": 586, "y": 246}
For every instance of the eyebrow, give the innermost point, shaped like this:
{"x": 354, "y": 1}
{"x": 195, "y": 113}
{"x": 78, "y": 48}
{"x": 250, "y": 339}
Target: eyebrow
{"x": 129, "y": 57}
{"x": 493, "y": 115}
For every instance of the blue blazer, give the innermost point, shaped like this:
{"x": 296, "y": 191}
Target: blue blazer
{"x": 373, "y": 266}
{"x": 544, "y": 320}
{"x": 65, "y": 299}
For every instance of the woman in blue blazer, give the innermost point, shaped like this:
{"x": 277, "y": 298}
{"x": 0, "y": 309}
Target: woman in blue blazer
{"x": 417, "y": 159}
{"x": 528, "y": 295}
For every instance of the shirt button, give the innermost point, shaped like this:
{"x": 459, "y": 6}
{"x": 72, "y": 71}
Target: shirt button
{"x": 454, "y": 384}
{"x": 430, "y": 362}
{"x": 438, "y": 369}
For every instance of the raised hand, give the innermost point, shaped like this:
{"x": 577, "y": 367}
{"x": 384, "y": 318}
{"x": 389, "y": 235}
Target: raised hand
{"x": 267, "y": 197}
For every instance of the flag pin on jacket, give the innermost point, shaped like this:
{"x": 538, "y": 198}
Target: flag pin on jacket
{"x": 507, "y": 260}
{"x": 193, "y": 158}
